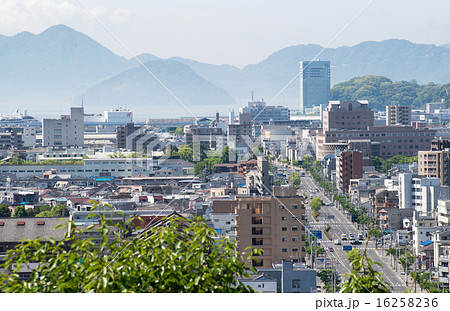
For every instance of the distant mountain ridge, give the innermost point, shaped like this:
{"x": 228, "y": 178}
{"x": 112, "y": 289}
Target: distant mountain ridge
{"x": 61, "y": 63}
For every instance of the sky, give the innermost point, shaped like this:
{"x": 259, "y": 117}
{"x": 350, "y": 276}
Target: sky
{"x": 231, "y": 32}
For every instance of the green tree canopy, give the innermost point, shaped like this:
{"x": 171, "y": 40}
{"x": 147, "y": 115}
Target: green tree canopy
{"x": 60, "y": 210}
{"x": 183, "y": 256}
{"x": 5, "y": 211}
{"x": 20, "y": 211}
{"x": 294, "y": 179}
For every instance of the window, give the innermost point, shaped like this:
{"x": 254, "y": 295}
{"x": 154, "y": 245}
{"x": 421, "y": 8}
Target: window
{"x": 283, "y": 239}
{"x": 281, "y": 207}
{"x": 295, "y": 228}
{"x": 294, "y": 239}
{"x": 294, "y": 218}
{"x": 296, "y": 283}
{"x": 294, "y": 206}
{"x": 295, "y": 249}
{"x": 284, "y": 250}
{"x": 283, "y": 229}
{"x": 283, "y": 218}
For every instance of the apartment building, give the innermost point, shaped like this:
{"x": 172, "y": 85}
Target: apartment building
{"x": 421, "y": 194}
{"x": 68, "y": 130}
{"x": 274, "y": 224}
{"x": 435, "y": 163}
{"x": 239, "y": 136}
{"x": 350, "y": 167}
{"x": 398, "y": 115}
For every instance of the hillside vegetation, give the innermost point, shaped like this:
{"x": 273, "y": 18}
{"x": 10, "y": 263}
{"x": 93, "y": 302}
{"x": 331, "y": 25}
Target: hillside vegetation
{"x": 381, "y": 92}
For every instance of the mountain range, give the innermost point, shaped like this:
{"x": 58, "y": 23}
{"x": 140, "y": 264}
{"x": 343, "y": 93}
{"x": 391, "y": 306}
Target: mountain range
{"x": 61, "y": 65}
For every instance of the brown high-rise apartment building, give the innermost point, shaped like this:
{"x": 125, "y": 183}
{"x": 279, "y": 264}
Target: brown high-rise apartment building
{"x": 274, "y": 224}
{"x": 350, "y": 167}
{"x": 436, "y": 162}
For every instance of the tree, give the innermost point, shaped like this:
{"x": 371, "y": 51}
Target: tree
{"x": 181, "y": 256}
{"x": 20, "y": 211}
{"x": 179, "y": 131}
{"x": 44, "y": 214}
{"x": 294, "y": 179}
{"x": 60, "y": 210}
{"x": 315, "y": 204}
{"x": 353, "y": 255}
{"x": 331, "y": 280}
{"x": 5, "y": 211}
{"x": 186, "y": 153}
{"x": 225, "y": 155}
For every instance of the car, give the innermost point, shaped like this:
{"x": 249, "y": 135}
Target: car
{"x": 337, "y": 242}
{"x": 360, "y": 236}
{"x": 343, "y": 237}
{"x": 330, "y": 249}
{"x": 355, "y": 242}
{"x": 351, "y": 236}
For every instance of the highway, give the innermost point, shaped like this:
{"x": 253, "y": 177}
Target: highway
{"x": 339, "y": 225}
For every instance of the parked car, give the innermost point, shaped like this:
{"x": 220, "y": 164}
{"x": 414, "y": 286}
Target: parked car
{"x": 343, "y": 237}
{"x": 330, "y": 249}
{"x": 351, "y": 236}
{"x": 360, "y": 236}
{"x": 337, "y": 242}
{"x": 355, "y": 242}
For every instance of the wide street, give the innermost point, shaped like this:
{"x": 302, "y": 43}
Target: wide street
{"x": 335, "y": 256}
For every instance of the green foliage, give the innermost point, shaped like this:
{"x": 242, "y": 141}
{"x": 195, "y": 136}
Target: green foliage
{"x": 206, "y": 166}
{"x": 382, "y": 92}
{"x": 20, "y": 211}
{"x": 331, "y": 280}
{"x": 353, "y": 255}
{"x": 424, "y": 280}
{"x": 183, "y": 256}
{"x": 179, "y": 131}
{"x": 315, "y": 204}
{"x": 382, "y": 165}
{"x": 60, "y": 210}
{"x": 5, "y": 211}
{"x": 20, "y": 161}
{"x": 294, "y": 179}
{"x": 117, "y": 154}
{"x": 186, "y": 153}
{"x": 225, "y": 155}
{"x": 363, "y": 278}
{"x": 44, "y": 214}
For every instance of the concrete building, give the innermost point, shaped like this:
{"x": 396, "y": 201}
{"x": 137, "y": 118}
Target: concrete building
{"x": 210, "y": 137}
{"x": 435, "y": 164}
{"x": 390, "y": 140}
{"x": 398, "y": 115}
{"x": 347, "y": 115}
{"x": 123, "y": 132}
{"x": 443, "y": 213}
{"x": 314, "y": 84}
{"x": 65, "y": 131}
{"x": 261, "y": 113}
{"x": 421, "y": 194}
{"x": 350, "y": 167}
{"x": 239, "y": 136}
{"x": 274, "y": 224}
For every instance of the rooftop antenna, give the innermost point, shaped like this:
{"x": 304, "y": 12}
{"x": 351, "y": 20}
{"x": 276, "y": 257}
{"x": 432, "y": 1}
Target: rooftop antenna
{"x": 252, "y": 95}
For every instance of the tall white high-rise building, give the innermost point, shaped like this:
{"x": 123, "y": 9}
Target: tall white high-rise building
{"x": 314, "y": 84}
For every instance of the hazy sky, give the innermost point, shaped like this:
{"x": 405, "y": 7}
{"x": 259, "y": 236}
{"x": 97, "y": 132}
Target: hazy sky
{"x": 232, "y": 32}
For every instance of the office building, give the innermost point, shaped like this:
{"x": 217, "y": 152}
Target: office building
{"x": 68, "y": 130}
{"x": 314, "y": 84}
{"x": 347, "y": 115}
{"x": 261, "y": 113}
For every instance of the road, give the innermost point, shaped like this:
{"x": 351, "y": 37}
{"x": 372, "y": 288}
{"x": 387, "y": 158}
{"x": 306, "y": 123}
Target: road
{"x": 340, "y": 224}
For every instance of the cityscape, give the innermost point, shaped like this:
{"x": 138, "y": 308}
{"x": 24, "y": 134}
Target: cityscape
{"x": 343, "y": 187}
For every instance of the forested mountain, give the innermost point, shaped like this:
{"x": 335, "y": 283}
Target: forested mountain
{"x": 381, "y": 92}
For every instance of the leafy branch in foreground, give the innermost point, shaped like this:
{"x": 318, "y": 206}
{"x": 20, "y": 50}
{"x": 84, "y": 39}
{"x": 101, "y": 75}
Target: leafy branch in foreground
{"x": 180, "y": 256}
